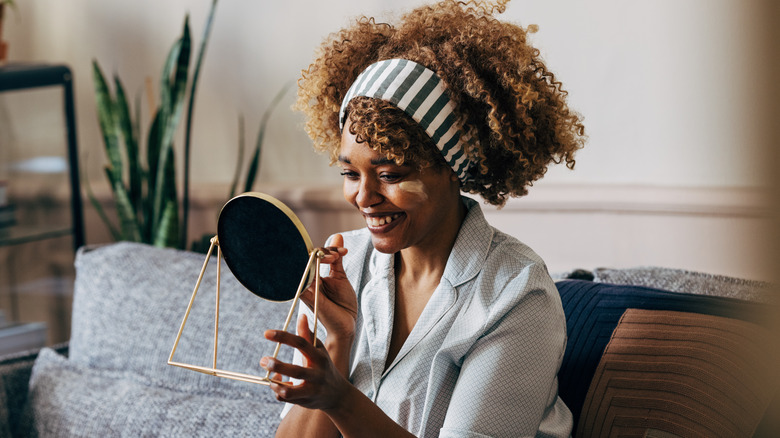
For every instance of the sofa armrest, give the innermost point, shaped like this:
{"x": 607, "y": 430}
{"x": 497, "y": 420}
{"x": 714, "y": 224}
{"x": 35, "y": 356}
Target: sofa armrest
{"x": 15, "y": 371}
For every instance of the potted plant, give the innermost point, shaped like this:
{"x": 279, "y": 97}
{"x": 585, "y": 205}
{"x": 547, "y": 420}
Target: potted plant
{"x": 144, "y": 187}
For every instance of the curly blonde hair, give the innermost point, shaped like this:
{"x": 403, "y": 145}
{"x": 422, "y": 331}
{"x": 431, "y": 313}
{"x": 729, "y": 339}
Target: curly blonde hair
{"x": 502, "y": 90}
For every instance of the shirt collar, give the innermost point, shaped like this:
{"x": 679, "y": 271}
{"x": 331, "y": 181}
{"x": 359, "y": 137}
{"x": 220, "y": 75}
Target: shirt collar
{"x": 471, "y": 246}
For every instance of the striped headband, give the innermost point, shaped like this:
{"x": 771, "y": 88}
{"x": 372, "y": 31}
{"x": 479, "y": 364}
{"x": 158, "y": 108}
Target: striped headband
{"x": 421, "y": 94}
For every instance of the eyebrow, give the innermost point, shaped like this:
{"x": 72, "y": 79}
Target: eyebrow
{"x": 375, "y": 162}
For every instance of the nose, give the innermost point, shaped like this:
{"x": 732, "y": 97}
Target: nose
{"x": 367, "y": 193}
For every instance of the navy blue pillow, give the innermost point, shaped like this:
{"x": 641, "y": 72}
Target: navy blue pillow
{"x": 594, "y": 309}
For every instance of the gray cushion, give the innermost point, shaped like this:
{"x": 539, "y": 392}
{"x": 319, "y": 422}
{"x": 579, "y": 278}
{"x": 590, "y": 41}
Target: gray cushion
{"x": 69, "y": 399}
{"x": 129, "y": 301}
{"x": 681, "y": 280}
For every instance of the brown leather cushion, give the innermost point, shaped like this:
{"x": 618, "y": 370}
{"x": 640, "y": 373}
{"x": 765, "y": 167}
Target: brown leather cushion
{"x": 678, "y": 373}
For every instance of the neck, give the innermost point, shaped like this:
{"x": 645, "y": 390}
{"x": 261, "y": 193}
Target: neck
{"x": 428, "y": 261}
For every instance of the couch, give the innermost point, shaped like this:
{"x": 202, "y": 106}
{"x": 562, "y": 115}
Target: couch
{"x": 651, "y": 352}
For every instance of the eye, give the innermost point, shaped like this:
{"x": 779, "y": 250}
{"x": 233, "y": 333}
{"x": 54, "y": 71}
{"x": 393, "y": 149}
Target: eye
{"x": 390, "y": 177}
{"x": 349, "y": 174}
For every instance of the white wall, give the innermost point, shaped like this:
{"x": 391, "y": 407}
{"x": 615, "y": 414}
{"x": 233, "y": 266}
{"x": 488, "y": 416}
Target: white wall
{"x": 669, "y": 89}
{"x": 673, "y": 94}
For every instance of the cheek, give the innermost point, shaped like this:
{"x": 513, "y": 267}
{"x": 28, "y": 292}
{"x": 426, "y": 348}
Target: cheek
{"x": 414, "y": 190}
{"x": 349, "y": 191}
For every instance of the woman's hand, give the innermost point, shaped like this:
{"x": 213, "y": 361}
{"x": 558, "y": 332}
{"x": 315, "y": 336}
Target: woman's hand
{"x": 323, "y": 384}
{"x": 338, "y": 303}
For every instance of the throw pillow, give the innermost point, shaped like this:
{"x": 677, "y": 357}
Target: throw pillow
{"x": 593, "y": 311}
{"x": 680, "y": 373}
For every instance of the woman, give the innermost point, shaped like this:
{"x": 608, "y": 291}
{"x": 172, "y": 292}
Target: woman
{"x": 435, "y": 324}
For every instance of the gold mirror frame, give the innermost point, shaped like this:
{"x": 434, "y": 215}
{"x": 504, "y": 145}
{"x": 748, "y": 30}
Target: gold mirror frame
{"x": 315, "y": 257}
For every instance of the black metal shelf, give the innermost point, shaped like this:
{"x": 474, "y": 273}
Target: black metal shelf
{"x": 22, "y": 76}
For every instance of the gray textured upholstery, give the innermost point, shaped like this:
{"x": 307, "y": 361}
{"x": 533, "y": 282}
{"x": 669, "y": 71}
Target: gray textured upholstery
{"x": 128, "y": 305}
{"x": 73, "y": 400}
{"x": 682, "y": 280}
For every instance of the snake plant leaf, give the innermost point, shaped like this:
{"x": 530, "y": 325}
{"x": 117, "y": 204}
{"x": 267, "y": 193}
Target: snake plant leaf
{"x": 153, "y": 147}
{"x": 174, "y": 84}
{"x": 167, "y": 234}
{"x": 173, "y": 91}
{"x": 188, "y": 123}
{"x": 137, "y": 129}
{"x": 254, "y": 164}
{"x": 125, "y": 211}
{"x": 165, "y": 191}
{"x": 165, "y": 79}
{"x": 125, "y": 122}
{"x": 107, "y": 120}
{"x": 167, "y": 230}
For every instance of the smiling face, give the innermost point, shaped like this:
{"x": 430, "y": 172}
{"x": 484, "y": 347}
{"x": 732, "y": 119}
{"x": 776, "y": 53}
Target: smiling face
{"x": 403, "y": 206}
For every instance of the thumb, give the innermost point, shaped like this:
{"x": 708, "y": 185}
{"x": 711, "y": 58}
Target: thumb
{"x": 337, "y": 267}
{"x": 338, "y": 241}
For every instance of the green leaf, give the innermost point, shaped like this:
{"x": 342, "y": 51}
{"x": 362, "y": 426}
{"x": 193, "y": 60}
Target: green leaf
{"x": 124, "y": 209}
{"x": 167, "y": 234}
{"x": 167, "y": 231}
{"x": 165, "y": 191}
{"x": 174, "y": 87}
{"x": 153, "y": 148}
{"x": 170, "y": 113}
{"x": 188, "y": 124}
{"x": 107, "y": 120}
{"x": 165, "y": 79}
{"x": 131, "y": 144}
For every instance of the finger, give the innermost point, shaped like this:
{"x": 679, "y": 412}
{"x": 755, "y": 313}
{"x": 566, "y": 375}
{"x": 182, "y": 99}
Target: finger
{"x": 288, "y": 392}
{"x": 308, "y": 296}
{"x": 278, "y": 378}
{"x": 332, "y": 254}
{"x": 287, "y": 369}
{"x": 303, "y": 329}
{"x": 309, "y": 351}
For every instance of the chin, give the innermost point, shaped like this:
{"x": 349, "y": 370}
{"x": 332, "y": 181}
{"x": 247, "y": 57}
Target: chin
{"x": 383, "y": 246}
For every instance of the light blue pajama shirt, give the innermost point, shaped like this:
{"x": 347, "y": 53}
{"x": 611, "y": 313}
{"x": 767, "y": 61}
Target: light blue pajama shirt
{"x": 482, "y": 359}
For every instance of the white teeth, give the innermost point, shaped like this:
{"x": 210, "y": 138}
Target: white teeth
{"x": 379, "y": 221}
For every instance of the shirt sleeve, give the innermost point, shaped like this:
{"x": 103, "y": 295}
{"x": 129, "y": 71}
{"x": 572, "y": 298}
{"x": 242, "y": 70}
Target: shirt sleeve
{"x": 508, "y": 381}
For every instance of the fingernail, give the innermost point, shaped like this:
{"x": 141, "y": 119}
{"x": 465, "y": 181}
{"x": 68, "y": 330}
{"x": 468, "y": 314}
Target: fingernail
{"x": 264, "y": 362}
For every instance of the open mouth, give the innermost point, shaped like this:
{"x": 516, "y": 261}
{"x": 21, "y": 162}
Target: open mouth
{"x": 373, "y": 221}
